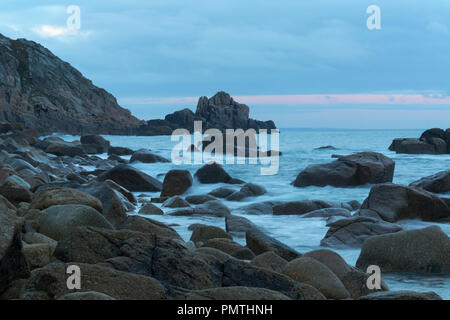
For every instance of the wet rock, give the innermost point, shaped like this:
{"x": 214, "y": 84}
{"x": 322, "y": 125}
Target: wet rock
{"x": 214, "y": 208}
{"x": 310, "y": 271}
{"x": 437, "y": 183}
{"x": 432, "y": 141}
{"x": 146, "y": 156}
{"x": 120, "y": 151}
{"x": 328, "y": 212}
{"x": 58, "y": 220}
{"x": 222, "y": 192}
{"x": 237, "y": 224}
{"x": 299, "y": 207}
{"x": 199, "y": 199}
{"x": 131, "y": 179}
{"x": 248, "y": 190}
{"x": 14, "y": 192}
{"x": 421, "y": 251}
{"x": 257, "y": 208}
{"x": 353, "y": 231}
{"x": 94, "y": 143}
{"x": 394, "y": 202}
{"x": 176, "y": 202}
{"x": 260, "y": 242}
{"x": 150, "y": 209}
{"x": 176, "y": 182}
{"x": 65, "y": 149}
{"x": 357, "y": 169}
{"x": 212, "y": 173}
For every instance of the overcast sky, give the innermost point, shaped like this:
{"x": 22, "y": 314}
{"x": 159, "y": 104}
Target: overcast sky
{"x": 301, "y": 63}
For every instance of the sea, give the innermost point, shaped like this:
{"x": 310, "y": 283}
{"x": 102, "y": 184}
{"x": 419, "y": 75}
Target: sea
{"x": 299, "y": 149}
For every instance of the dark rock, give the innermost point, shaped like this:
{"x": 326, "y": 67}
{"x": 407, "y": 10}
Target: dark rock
{"x": 148, "y": 226}
{"x": 353, "y": 231}
{"x": 58, "y": 98}
{"x": 59, "y": 220}
{"x": 149, "y": 208}
{"x": 50, "y": 283}
{"x": 94, "y": 143}
{"x": 248, "y": 190}
{"x": 235, "y": 293}
{"x": 328, "y": 212}
{"x": 222, "y": 192}
{"x": 199, "y": 199}
{"x": 131, "y": 179}
{"x": 146, "y": 156}
{"x": 269, "y": 260}
{"x": 120, "y": 151}
{"x": 353, "y": 170}
{"x": 401, "y": 295}
{"x": 243, "y": 254}
{"x": 244, "y": 274}
{"x": 176, "y": 202}
{"x": 176, "y": 182}
{"x": 223, "y": 244}
{"x": 64, "y": 196}
{"x": 237, "y": 224}
{"x": 212, "y": 173}
{"x": 299, "y": 207}
{"x": 394, "y": 202}
{"x": 260, "y": 242}
{"x": 421, "y": 251}
{"x": 203, "y": 233}
{"x": 12, "y": 262}
{"x": 311, "y": 271}
{"x": 432, "y": 141}
{"x": 65, "y": 149}
{"x": 437, "y": 183}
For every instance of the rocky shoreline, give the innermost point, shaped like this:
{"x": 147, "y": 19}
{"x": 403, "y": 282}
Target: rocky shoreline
{"x": 56, "y": 214}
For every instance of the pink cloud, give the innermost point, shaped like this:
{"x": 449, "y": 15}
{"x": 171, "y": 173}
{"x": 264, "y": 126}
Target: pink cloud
{"x": 310, "y": 99}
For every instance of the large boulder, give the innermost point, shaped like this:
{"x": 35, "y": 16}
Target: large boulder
{"x": 203, "y": 233}
{"x": 12, "y": 262}
{"x": 148, "y": 226}
{"x": 50, "y": 283}
{"x": 94, "y": 144}
{"x": 353, "y": 279}
{"x": 15, "y": 191}
{"x": 120, "y": 151}
{"x": 64, "y": 196}
{"x": 259, "y": 242}
{"x": 353, "y": 170}
{"x": 131, "y": 179}
{"x": 432, "y": 141}
{"x": 310, "y": 271}
{"x": 351, "y": 232}
{"x": 393, "y": 202}
{"x": 223, "y": 244}
{"x": 269, "y": 260}
{"x": 437, "y": 183}
{"x": 148, "y": 254}
{"x": 420, "y": 251}
{"x": 146, "y": 156}
{"x": 212, "y": 173}
{"x": 236, "y": 273}
{"x": 63, "y": 148}
{"x": 58, "y": 220}
{"x": 176, "y": 182}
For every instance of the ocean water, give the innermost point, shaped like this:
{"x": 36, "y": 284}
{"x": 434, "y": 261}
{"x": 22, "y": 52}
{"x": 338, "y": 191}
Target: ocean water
{"x": 298, "y": 148}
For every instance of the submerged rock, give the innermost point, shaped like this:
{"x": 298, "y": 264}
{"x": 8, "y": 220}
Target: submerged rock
{"x": 146, "y": 156}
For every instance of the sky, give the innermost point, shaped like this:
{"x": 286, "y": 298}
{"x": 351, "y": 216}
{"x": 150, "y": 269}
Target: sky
{"x": 308, "y": 64}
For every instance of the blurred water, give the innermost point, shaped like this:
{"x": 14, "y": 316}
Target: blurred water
{"x": 298, "y": 148}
